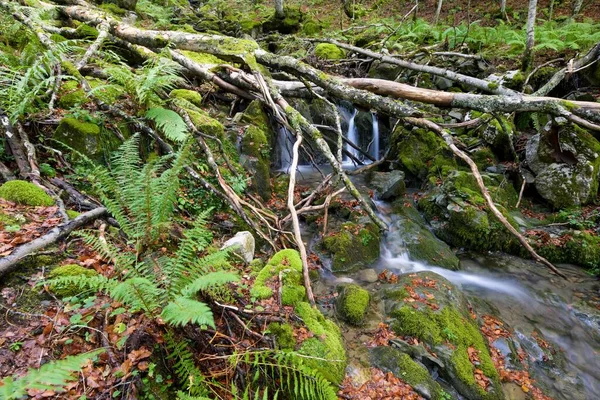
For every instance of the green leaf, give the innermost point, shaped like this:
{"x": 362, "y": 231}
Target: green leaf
{"x": 183, "y": 311}
{"x": 168, "y": 122}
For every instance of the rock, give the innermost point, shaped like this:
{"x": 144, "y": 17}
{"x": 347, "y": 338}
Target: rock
{"x": 457, "y": 115}
{"x": 290, "y": 23}
{"x": 328, "y": 51}
{"x": 510, "y": 79}
{"x": 26, "y": 193}
{"x": 354, "y": 246}
{"x": 388, "y": 185}
{"x": 410, "y": 234}
{"x": 242, "y": 244}
{"x": 442, "y": 321}
{"x": 458, "y": 214}
{"x": 368, "y": 275}
{"x": 442, "y": 83}
{"x": 566, "y": 161}
{"x": 85, "y": 137}
{"x": 390, "y": 359}
{"x": 498, "y": 135}
{"x": 352, "y": 304}
{"x": 385, "y": 71}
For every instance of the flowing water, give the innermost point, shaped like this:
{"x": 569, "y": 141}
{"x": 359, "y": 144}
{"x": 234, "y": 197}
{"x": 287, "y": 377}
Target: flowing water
{"x": 351, "y": 134}
{"x": 375, "y": 143}
{"x": 284, "y": 149}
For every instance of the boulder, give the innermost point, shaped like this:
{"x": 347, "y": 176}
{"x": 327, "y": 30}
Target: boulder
{"x": 429, "y": 308}
{"x": 26, "y": 193}
{"x": 388, "y": 185}
{"x": 566, "y": 161}
{"x": 353, "y": 246}
{"x": 328, "y": 51}
{"x": 352, "y": 304}
{"x": 242, "y": 244}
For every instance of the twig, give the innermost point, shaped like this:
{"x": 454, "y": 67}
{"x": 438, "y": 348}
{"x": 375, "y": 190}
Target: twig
{"x": 521, "y": 193}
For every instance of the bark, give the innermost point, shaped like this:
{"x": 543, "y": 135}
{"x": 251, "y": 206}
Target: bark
{"x": 296, "y": 222}
{"x": 486, "y": 194}
{"x": 577, "y": 4}
{"x": 6, "y": 173}
{"x": 503, "y": 8}
{"x": 528, "y": 55}
{"x": 551, "y": 10}
{"x": 438, "y": 10}
{"x": 8, "y": 263}
{"x": 102, "y": 35}
{"x": 279, "y": 11}
{"x": 15, "y": 145}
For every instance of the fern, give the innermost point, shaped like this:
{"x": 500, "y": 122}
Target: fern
{"x": 182, "y": 311}
{"x": 169, "y": 122}
{"x": 52, "y": 376}
{"x": 185, "y": 366}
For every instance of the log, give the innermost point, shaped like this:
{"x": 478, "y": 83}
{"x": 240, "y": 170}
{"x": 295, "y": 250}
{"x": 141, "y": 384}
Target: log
{"x": 8, "y": 263}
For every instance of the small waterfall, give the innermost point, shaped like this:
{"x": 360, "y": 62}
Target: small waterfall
{"x": 352, "y": 136}
{"x": 375, "y": 145}
{"x": 284, "y": 148}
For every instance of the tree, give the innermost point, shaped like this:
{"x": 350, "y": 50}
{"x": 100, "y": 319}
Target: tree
{"x": 438, "y": 10}
{"x": 528, "y": 54}
{"x": 577, "y": 5}
{"x": 279, "y": 11}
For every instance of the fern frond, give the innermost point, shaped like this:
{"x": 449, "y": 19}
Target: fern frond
{"x": 169, "y": 122}
{"x": 182, "y": 311}
{"x": 140, "y": 294}
{"x": 185, "y": 366}
{"x": 207, "y": 281}
{"x": 52, "y": 376}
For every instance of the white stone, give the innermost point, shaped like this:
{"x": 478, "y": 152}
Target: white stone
{"x": 243, "y": 245}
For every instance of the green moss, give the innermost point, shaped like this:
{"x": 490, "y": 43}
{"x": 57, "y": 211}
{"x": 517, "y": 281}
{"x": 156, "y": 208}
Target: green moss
{"x": 202, "y": 58}
{"x": 113, "y": 9}
{"x": 255, "y": 145}
{"x": 352, "y": 304}
{"x": 26, "y": 193}
{"x": 8, "y": 220}
{"x": 484, "y": 158}
{"x": 493, "y": 85}
{"x": 205, "y": 123}
{"x": 68, "y": 270}
{"x": 328, "y": 51}
{"x": 580, "y": 248}
{"x": 72, "y": 214}
{"x": 284, "y": 334}
{"x": 287, "y": 259}
{"x": 289, "y": 24}
{"x": 105, "y": 93}
{"x": 326, "y": 344}
{"x": 71, "y": 95}
{"x": 353, "y": 246}
{"x": 69, "y": 69}
{"x": 56, "y": 38}
{"x": 85, "y": 31}
{"x": 47, "y": 171}
{"x": 190, "y": 95}
{"x": 311, "y": 28}
{"x": 257, "y": 264}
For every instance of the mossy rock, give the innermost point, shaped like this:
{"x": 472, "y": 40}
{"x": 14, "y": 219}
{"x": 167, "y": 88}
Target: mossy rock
{"x": 566, "y": 161}
{"x": 458, "y": 214}
{"x": 205, "y": 123}
{"x": 390, "y": 359}
{"x": 190, "y": 95}
{"x": 354, "y": 246}
{"x": 447, "y": 328}
{"x": 411, "y": 234}
{"x": 71, "y": 95}
{"x": 289, "y": 263}
{"x": 580, "y": 248}
{"x": 328, "y": 51}
{"x": 67, "y": 290}
{"x": 105, "y": 93}
{"x": 290, "y": 23}
{"x": 25, "y": 193}
{"x": 85, "y": 137}
{"x": 284, "y": 334}
{"x": 352, "y": 304}
{"x": 256, "y": 150}
{"x": 311, "y": 28}
{"x": 326, "y": 344}
{"x": 422, "y": 153}
{"x": 85, "y": 31}
{"x": 498, "y": 135}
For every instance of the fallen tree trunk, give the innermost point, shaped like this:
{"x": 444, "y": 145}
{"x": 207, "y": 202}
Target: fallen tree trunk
{"x": 8, "y": 263}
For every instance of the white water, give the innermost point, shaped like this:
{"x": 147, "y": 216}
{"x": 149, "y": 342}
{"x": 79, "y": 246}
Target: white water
{"x": 352, "y": 135}
{"x": 284, "y": 147}
{"x": 375, "y": 145}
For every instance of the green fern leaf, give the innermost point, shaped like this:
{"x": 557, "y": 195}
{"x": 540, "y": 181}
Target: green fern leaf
{"x": 169, "y": 122}
{"x": 207, "y": 281}
{"x": 182, "y": 311}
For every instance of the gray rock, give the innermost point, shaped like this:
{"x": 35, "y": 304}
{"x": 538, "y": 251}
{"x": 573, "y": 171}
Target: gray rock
{"x": 388, "y": 184}
{"x": 243, "y": 245}
{"x": 367, "y": 275}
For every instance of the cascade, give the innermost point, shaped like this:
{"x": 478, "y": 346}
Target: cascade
{"x": 284, "y": 148}
{"x": 375, "y": 145}
{"x": 352, "y": 136}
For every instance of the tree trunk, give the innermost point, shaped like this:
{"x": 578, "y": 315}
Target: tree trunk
{"x": 438, "y": 10}
{"x": 551, "y": 10}
{"x": 577, "y": 4}
{"x": 528, "y": 55}
{"x": 279, "y": 11}
{"x": 503, "y": 8}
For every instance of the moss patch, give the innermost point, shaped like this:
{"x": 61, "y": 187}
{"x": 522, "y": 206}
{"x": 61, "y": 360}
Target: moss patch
{"x": 352, "y": 304}
{"x": 205, "y": 123}
{"x": 353, "y": 246}
{"x": 284, "y": 334}
{"x": 71, "y": 95}
{"x": 289, "y": 262}
{"x": 190, "y": 95}
{"x": 328, "y": 51}
{"x": 67, "y": 290}
{"x": 26, "y": 193}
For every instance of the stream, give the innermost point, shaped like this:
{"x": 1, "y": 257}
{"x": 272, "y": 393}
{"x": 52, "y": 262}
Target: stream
{"x": 524, "y": 295}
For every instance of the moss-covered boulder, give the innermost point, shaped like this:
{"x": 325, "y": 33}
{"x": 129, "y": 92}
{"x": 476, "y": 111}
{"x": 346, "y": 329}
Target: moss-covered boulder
{"x": 325, "y": 342}
{"x": 388, "y": 185}
{"x": 409, "y": 234}
{"x": 329, "y": 51}
{"x": 290, "y": 23}
{"x": 71, "y": 95}
{"x": 67, "y": 290}
{"x": 390, "y": 359}
{"x": 189, "y": 95}
{"x": 353, "y": 246}
{"x": 352, "y": 303}
{"x": 85, "y": 137}
{"x": 498, "y": 135}
{"x": 205, "y": 123}
{"x": 421, "y": 153}
{"x": 458, "y": 214}
{"x": 26, "y": 193}
{"x": 566, "y": 161}
{"x": 256, "y": 150}
{"x": 431, "y": 309}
